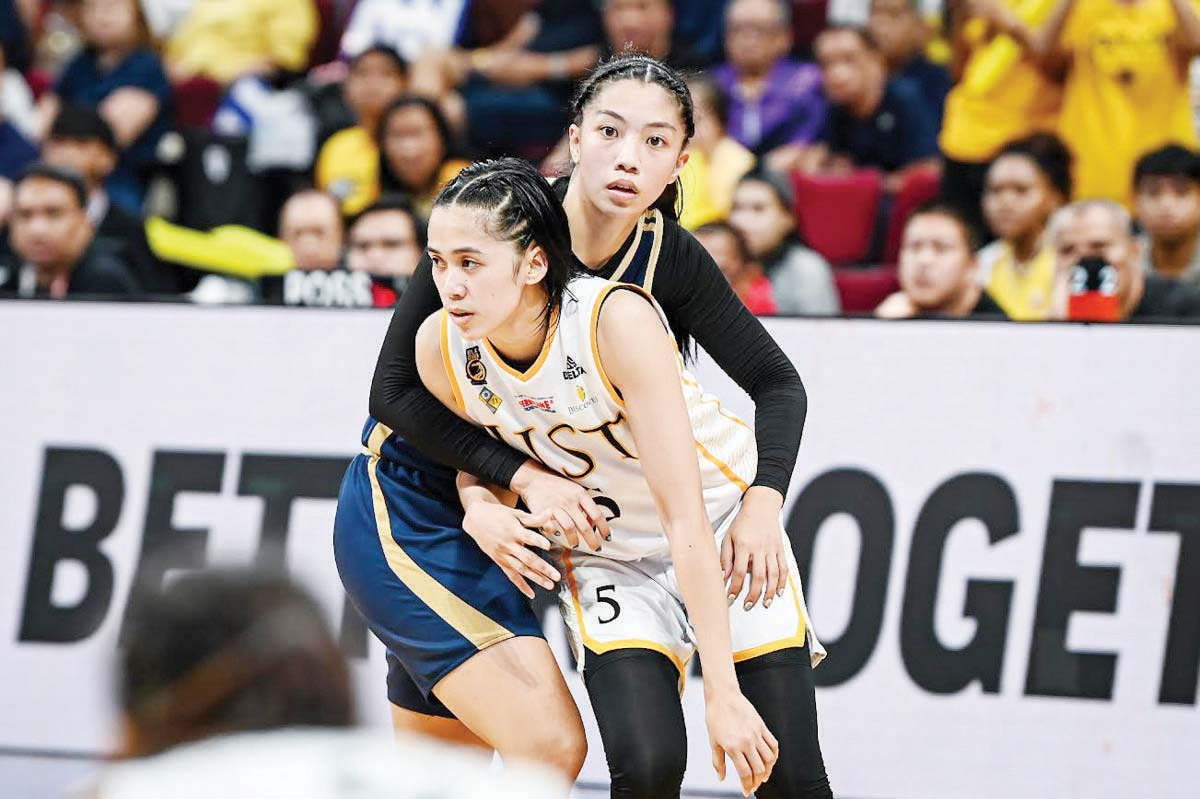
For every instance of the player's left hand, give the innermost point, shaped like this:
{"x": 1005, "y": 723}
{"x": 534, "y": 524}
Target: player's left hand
{"x": 754, "y": 548}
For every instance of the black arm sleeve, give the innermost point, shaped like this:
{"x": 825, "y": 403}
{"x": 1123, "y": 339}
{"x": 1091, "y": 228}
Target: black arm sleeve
{"x": 400, "y": 401}
{"x": 697, "y": 299}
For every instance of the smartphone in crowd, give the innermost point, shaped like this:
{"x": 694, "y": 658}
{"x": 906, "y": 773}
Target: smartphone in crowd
{"x": 1093, "y": 296}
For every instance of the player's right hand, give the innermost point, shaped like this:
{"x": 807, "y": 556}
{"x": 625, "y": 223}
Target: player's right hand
{"x": 574, "y": 515}
{"x": 736, "y": 730}
{"x": 504, "y": 535}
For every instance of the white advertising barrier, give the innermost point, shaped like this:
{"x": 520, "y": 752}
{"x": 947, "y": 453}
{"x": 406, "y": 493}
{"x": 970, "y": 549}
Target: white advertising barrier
{"x": 999, "y": 527}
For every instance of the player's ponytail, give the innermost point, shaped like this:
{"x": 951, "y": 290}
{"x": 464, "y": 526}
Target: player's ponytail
{"x": 522, "y": 209}
{"x": 645, "y": 69}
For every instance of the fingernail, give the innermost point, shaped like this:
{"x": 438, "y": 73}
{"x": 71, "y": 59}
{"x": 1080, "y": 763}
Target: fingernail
{"x": 608, "y": 537}
{"x": 555, "y": 576}
{"x": 732, "y": 597}
{"x": 767, "y": 602}
{"x": 748, "y": 605}
{"x": 781, "y": 590}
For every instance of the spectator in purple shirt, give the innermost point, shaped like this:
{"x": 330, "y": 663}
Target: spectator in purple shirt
{"x": 774, "y": 102}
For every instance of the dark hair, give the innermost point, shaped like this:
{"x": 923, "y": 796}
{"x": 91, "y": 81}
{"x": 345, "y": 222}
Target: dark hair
{"x": 629, "y": 66}
{"x": 784, "y": 7}
{"x": 384, "y": 50}
{"x": 706, "y": 86}
{"x": 1173, "y": 161}
{"x": 521, "y": 208}
{"x": 82, "y": 123}
{"x": 392, "y": 201}
{"x": 226, "y": 651}
{"x": 311, "y": 192}
{"x": 780, "y": 186}
{"x": 951, "y": 212}
{"x": 862, "y": 33}
{"x": 739, "y": 241}
{"x": 387, "y": 180}
{"x": 67, "y": 177}
{"x": 1049, "y": 155}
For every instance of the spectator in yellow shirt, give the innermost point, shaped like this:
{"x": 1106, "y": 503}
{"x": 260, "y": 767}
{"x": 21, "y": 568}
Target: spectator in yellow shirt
{"x": 1025, "y": 185}
{"x": 986, "y": 111}
{"x": 717, "y": 162}
{"x": 1125, "y": 90}
{"x": 227, "y": 39}
{"x": 348, "y": 163}
{"x": 416, "y": 151}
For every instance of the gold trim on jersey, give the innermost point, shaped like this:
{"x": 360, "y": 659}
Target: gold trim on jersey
{"x": 651, "y": 221}
{"x": 458, "y": 398}
{"x": 639, "y": 228}
{"x": 659, "y": 233}
{"x": 598, "y": 647}
{"x": 592, "y": 328}
{"x": 705, "y": 398}
{"x": 467, "y": 620}
{"x": 729, "y": 473}
{"x": 536, "y": 366}
{"x": 379, "y": 434}
{"x": 796, "y": 640}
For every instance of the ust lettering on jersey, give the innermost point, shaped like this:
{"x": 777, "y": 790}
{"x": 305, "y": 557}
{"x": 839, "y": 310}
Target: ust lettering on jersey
{"x": 564, "y": 412}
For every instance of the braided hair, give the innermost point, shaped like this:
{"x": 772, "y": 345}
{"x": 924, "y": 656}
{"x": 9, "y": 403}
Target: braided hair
{"x": 520, "y": 207}
{"x": 645, "y": 69}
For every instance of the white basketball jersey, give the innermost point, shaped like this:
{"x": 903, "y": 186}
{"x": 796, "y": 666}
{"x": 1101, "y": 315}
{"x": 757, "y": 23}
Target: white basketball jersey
{"x": 564, "y": 412}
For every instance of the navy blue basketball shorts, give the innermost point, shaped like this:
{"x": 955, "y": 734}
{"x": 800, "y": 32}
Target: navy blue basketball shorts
{"x": 424, "y": 587}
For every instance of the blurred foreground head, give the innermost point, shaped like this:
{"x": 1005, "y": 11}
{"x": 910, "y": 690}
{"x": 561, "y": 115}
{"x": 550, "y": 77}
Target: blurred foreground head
{"x": 228, "y": 651}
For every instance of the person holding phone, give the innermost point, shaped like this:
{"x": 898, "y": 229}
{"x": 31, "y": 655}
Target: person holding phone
{"x": 1099, "y": 275}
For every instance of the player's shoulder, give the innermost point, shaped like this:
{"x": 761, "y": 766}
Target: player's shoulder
{"x": 624, "y": 309}
{"x": 429, "y": 334}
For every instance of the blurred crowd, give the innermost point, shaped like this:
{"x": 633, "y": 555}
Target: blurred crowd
{"x": 1001, "y": 158}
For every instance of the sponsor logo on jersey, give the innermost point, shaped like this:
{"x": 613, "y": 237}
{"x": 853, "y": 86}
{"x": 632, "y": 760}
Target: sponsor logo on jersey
{"x": 585, "y": 401}
{"x": 476, "y": 371}
{"x": 573, "y": 371}
{"x": 528, "y": 403}
{"x": 489, "y": 398}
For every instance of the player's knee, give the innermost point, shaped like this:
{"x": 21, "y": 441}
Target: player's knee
{"x": 570, "y": 753}
{"x": 649, "y": 771}
{"x": 563, "y": 750}
{"x": 786, "y": 783}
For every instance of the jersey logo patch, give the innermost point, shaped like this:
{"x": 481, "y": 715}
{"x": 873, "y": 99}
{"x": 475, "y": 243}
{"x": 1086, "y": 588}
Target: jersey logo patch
{"x": 573, "y": 371}
{"x": 489, "y": 398}
{"x": 528, "y": 403}
{"x": 476, "y": 371}
{"x": 585, "y": 401}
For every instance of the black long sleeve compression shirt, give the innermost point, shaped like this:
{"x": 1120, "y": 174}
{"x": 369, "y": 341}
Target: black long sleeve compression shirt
{"x": 698, "y": 303}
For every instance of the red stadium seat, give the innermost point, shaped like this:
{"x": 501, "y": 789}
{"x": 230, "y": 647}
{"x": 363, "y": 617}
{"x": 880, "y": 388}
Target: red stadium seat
{"x": 862, "y": 290}
{"x": 329, "y": 33}
{"x": 808, "y": 19}
{"x": 919, "y": 186}
{"x": 40, "y": 81}
{"x": 196, "y": 101}
{"x": 835, "y": 214}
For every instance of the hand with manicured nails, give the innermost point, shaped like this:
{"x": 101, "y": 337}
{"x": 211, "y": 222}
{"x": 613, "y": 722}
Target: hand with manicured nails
{"x": 754, "y": 547}
{"x": 736, "y": 730}
{"x": 504, "y": 535}
{"x": 574, "y": 515}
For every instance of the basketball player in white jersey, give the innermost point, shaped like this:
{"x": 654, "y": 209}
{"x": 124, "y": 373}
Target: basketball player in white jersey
{"x": 583, "y": 375}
